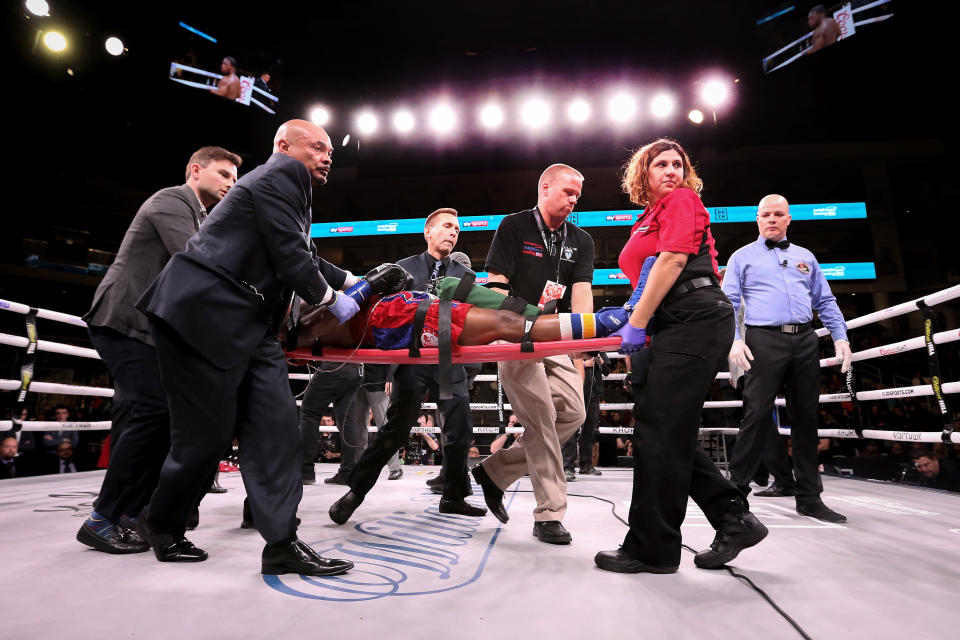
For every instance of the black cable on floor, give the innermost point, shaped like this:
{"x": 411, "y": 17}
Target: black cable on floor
{"x": 793, "y": 623}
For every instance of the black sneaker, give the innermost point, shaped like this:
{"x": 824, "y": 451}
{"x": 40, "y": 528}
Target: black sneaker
{"x": 738, "y": 530}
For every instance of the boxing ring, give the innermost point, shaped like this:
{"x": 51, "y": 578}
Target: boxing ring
{"x": 478, "y": 577}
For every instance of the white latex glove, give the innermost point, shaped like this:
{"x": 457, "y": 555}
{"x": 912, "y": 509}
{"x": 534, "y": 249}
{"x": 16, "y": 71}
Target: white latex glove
{"x": 740, "y": 354}
{"x": 843, "y": 351}
{"x": 349, "y": 281}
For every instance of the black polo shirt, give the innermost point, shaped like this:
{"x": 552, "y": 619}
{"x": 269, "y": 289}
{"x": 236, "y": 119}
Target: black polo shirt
{"x": 518, "y": 252}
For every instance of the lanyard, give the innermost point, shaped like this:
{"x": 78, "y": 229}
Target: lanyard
{"x": 549, "y": 247}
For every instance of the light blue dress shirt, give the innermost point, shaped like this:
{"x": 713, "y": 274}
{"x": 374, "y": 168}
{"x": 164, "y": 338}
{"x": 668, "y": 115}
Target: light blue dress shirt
{"x": 781, "y": 286}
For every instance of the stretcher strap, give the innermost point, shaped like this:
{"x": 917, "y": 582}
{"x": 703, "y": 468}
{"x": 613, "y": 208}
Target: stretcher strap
{"x": 445, "y": 356}
{"x": 526, "y": 342}
{"x": 419, "y": 317}
{"x": 463, "y": 288}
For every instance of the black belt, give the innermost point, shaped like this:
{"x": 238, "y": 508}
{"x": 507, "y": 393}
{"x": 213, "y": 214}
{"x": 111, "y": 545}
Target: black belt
{"x": 691, "y": 285}
{"x": 784, "y": 328}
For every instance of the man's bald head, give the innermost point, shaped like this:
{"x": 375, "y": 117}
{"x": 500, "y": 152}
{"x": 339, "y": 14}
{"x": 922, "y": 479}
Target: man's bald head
{"x": 308, "y": 143}
{"x": 773, "y": 216}
{"x": 557, "y": 192}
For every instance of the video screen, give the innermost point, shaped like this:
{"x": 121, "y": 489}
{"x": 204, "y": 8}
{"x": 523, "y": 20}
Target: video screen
{"x": 791, "y": 31}
{"x": 204, "y": 63}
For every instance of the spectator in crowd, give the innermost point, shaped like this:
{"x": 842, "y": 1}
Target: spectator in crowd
{"x": 328, "y": 446}
{"x": 52, "y": 439}
{"x": 505, "y": 440}
{"x": 8, "y": 458}
{"x": 64, "y": 462}
{"x": 940, "y": 473}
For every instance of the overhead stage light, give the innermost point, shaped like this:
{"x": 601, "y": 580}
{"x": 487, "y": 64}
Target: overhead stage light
{"x": 491, "y": 116}
{"x": 55, "y": 41}
{"x": 442, "y": 118}
{"x": 696, "y": 116}
{"x": 535, "y": 113}
{"x": 622, "y": 107}
{"x": 716, "y": 92}
{"x": 38, "y": 7}
{"x": 319, "y": 116}
{"x": 662, "y": 105}
{"x": 579, "y": 111}
{"x": 403, "y": 121}
{"x": 114, "y": 45}
{"x": 346, "y": 140}
{"x": 367, "y": 122}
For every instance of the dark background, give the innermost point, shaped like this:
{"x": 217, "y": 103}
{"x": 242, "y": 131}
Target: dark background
{"x": 858, "y": 121}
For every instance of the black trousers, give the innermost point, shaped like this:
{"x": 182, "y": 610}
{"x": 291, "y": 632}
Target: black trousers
{"x": 582, "y": 441}
{"x": 208, "y": 406}
{"x": 781, "y": 359}
{"x": 410, "y": 385}
{"x": 337, "y": 383}
{"x": 694, "y": 333}
{"x": 140, "y": 433}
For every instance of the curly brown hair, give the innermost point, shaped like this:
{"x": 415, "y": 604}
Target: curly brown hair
{"x": 635, "y": 182}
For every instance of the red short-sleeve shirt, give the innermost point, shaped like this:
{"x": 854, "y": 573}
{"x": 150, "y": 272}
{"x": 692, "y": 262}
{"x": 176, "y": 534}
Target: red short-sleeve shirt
{"x": 678, "y": 223}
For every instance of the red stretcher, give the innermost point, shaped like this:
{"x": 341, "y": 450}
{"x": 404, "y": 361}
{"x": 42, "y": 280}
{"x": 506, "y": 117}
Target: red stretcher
{"x": 475, "y": 353}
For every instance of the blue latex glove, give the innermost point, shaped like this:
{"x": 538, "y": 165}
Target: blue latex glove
{"x": 344, "y": 307}
{"x": 632, "y": 339}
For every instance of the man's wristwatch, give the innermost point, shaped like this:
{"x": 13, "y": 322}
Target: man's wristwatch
{"x": 325, "y": 305}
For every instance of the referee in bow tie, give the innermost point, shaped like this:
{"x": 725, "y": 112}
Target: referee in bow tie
{"x": 781, "y": 284}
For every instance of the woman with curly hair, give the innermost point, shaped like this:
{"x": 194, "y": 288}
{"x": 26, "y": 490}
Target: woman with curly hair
{"x": 672, "y": 249}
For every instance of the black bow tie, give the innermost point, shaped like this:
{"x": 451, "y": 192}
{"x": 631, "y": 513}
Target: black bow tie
{"x": 782, "y": 244}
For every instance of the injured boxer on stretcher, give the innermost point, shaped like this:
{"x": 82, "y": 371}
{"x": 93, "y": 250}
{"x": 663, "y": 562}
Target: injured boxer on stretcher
{"x": 387, "y": 317}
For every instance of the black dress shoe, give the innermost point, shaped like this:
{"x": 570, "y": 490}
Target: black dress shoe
{"x": 619, "y": 562}
{"x": 120, "y": 540}
{"x": 215, "y": 486}
{"x": 435, "y": 481}
{"x": 492, "y": 494}
{"x": 739, "y": 529}
{"x": 337, "y": 478}
{"x": 309, "y": 475}
{"x": 462, "y": 507}
{"x": 551, "y": 532}
{"x": 820, "y": 511}
{"x": 776, "y": 490}
{"x": 181, "y": 550}
{"x": 342, "y": 509}
{"x": 247, "y": 522}
{"x": 395, "y": 475}
{"x": 297, "y": 557}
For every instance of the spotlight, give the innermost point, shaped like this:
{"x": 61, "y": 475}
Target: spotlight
{"x": 696, "y": 116}
{"x": 114, "y": 45}
{"x": 403, "y": 121}
{"x": 38, "y": 7}
{"x": 55, "y": 41}
{"x": 579, "y": 111}
{"x": 346, "y": 140}
{"x": 491, "y": 116}
{"x": 367, "y": 122}
{"x": 535, "y": 113}
{"x": 442, "y": 118}
{"x": 662, "y": 105}
{"x": 319, "y": 116}
{"x": 622, "y": 107}
{"x": 716, "y": 92}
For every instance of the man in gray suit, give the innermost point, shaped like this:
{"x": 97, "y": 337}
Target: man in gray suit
{"x": 140, "y": 435}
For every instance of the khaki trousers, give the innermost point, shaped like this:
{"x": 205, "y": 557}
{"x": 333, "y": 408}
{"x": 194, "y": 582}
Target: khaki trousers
{"x": 547, "y": 398}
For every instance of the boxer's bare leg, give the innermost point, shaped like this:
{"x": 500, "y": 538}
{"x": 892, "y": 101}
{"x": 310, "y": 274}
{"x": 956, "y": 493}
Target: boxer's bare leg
{"x": 483, "y": 326}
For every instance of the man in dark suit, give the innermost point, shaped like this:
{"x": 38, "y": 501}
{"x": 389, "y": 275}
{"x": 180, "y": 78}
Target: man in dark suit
{"x": 214, "y": 313}
{"x": 411, "y": 383}
{"x": 140, "y": 433}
